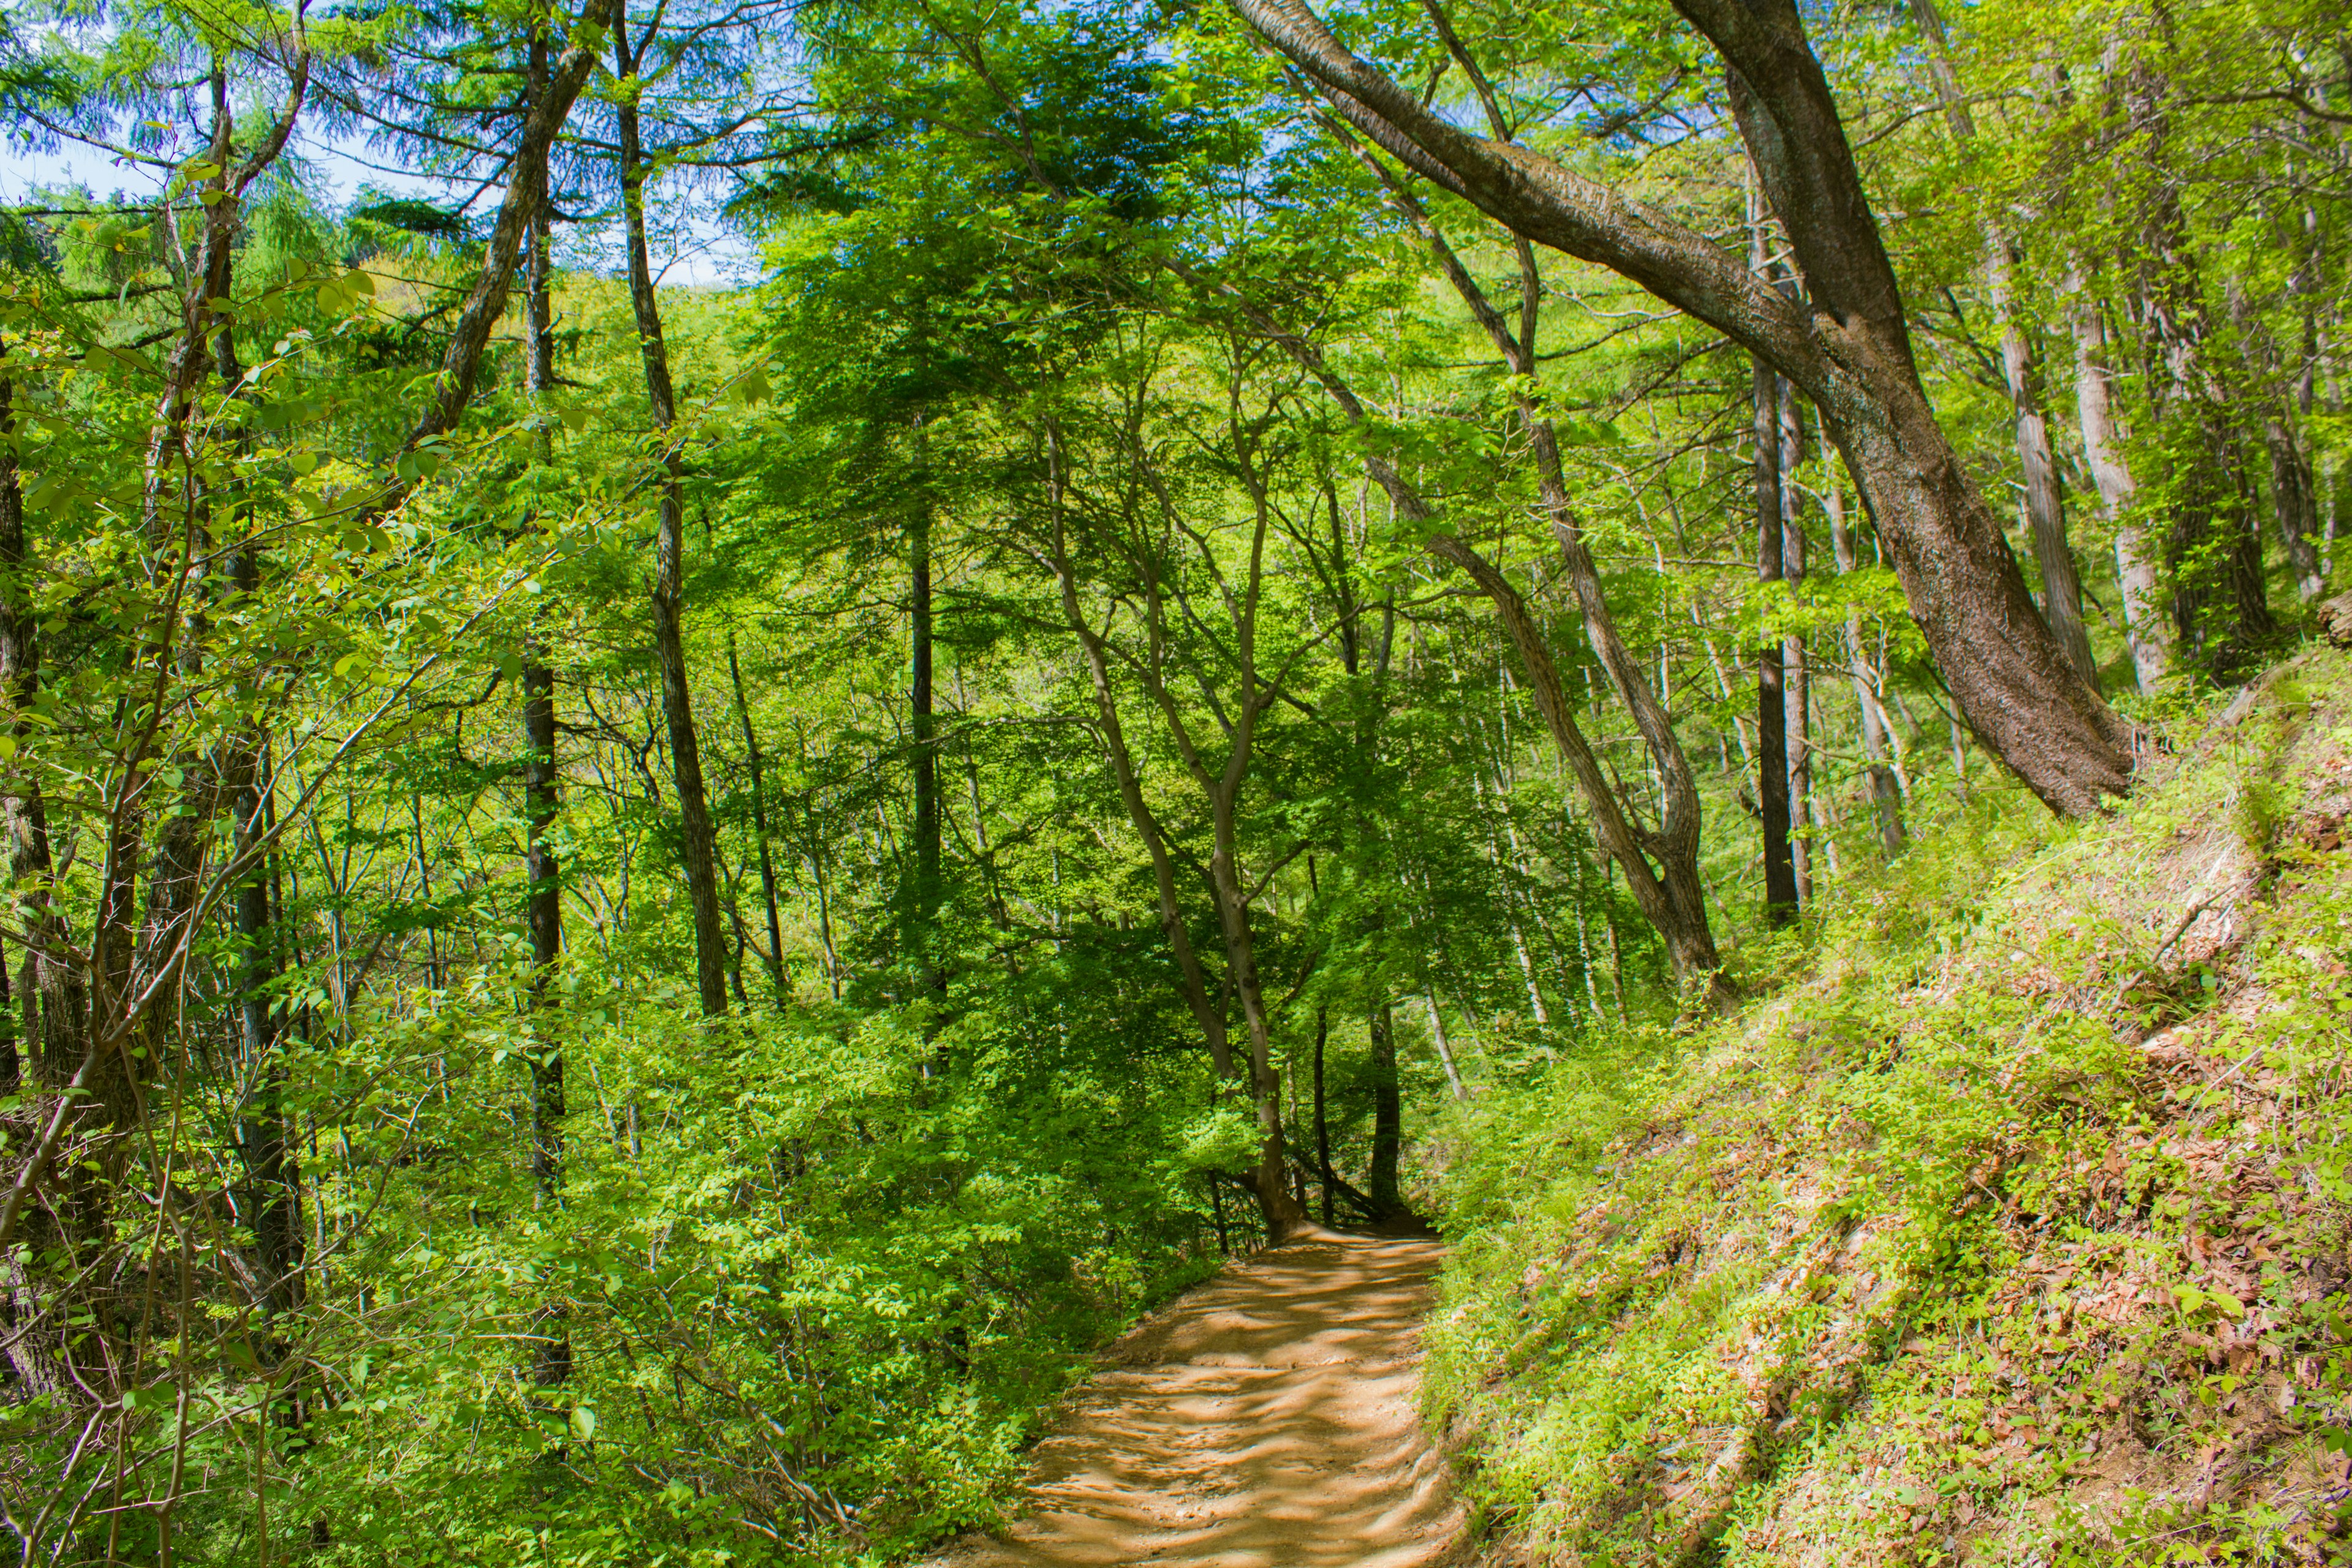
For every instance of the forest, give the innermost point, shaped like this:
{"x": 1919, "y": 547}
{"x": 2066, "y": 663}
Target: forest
{"x": 646, "y": 895}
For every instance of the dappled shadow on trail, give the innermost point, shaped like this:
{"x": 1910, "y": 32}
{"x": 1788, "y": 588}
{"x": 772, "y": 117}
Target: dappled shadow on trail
{"x": 1268, "y": 1419}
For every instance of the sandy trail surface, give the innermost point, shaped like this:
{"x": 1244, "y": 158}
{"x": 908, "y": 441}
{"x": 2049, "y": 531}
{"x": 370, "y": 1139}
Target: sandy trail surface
{"x": 1268, "y": 1418}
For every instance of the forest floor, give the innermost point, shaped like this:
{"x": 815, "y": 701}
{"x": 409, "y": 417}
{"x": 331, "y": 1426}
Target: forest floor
{"x": 1268, "y": 1418}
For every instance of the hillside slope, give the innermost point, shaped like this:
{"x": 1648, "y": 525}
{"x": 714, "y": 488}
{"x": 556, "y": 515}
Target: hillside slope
{"x": 2010, "y": 1229}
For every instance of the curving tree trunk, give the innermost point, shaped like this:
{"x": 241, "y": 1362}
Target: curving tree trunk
{"x": 1847, "y": 349}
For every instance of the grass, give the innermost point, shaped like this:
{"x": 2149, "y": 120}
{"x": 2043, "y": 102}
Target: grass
{"x": 2007, "y": 1226}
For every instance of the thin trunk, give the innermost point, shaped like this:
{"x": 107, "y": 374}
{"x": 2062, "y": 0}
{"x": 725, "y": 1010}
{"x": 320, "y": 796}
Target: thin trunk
{"x": 1269, "y": 1178}
{"x": 776, "y": 971}
{"x": 526, "y": 178}
{"x": 273, "y": 1178}
{"x": 1322, "y": 1120}
{"x": 1388, "y": 1113}
{"x": 2220, "y": 610}
{"x": 922, "y": 899}
{"x": 2146, "y": 632}
{"x": 1885, "y": 801}
{"x": 1444, "y": 1047}
{"x": 1662, "y": 866}
{"x": 2294, "y": 499}
{"x": 1796, "y": 672}
{"x": 1772, "y": 697}
{"x": 697, "y": 841}
{"x": 54, "y": 1006}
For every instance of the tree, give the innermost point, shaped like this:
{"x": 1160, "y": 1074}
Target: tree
{"x": 1848, "y": 350}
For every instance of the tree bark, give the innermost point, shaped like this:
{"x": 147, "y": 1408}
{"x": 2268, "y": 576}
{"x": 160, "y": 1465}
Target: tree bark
{"x": 776, "y": 971}
{"x": 1848, "y": 350}
{"x": 923, "y": 957}
{"x": 1323, "y": 1171}
{"x": 1885, "y": 800}
{"x": 53, "y": 994}
{"x": 2294, "y": 499}
{"x": 697, "y": 842}
{"x": 1671, "y": 893}
{"x": 1443, "y": 1046}
{"x": 1220, "y": 787}
{"x": 1796, "y": 673}
{"x": 526, "y": 178}
{"x": 2136, "y": 580}
{"x": 1771, "y": 693}
{"x": 1388, "y": 1114}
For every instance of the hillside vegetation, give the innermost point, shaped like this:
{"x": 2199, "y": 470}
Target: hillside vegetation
{"x": 2012, "y": 1229}
{"x": 725, "y": 723}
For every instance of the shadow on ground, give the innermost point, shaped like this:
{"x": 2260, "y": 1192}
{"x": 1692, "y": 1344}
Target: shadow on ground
{"x": 1268, "y": 1419}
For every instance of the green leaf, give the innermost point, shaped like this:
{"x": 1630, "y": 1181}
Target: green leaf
{"x": 583, "y": 1423}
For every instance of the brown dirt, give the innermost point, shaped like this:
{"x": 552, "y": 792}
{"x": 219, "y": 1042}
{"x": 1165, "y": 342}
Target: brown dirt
{"x": 1269, "y": 1418}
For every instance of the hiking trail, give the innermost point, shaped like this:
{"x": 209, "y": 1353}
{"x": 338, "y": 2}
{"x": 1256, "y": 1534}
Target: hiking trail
{"x": 1269, "y": 1417}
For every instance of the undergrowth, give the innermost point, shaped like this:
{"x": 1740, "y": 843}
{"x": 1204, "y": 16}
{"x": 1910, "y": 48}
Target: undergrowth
{"x": 2009, "y": 1228}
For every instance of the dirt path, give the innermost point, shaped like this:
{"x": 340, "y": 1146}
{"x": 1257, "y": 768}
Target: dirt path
{"x": 1269, "y": 1418}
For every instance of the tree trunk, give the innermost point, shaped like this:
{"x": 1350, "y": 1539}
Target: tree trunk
{"x": 1661, "y": 867}
{"x": 526, "y": 178}
{"x": 1443, "y": 1046}
{"x": 1268, "y": 1179}
{"x": 1796, "y": 673}
{"x": 776, "y": 971}
{"x": 2142, "y": 591}
{"x": 697, "y": 841}
{"x": 1885, "y": 801}
{"x": 2220, "y": 607}
{"x": 53, "y": 1000}
{"x": 1771, "y": 694}
{"x": 1848, "y": 349}
{"x": 1388, "y": 1114}
{"x": 2294, "y": 499}
{"x": 922, "y": 901}
{"x": 1323, "y": 1171}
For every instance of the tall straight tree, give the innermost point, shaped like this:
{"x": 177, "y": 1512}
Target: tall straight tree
{"x": 544, "y": 904}
{"x": 697, "y": 842}
{"x": 1771, "y": 689}
{"x": 1847, "y": 347}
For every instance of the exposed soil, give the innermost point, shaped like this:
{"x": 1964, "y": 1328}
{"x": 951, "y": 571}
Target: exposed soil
{"x": 1269, "y": 1418}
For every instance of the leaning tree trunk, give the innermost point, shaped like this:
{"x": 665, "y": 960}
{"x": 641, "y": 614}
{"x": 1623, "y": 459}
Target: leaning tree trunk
{"x": 52, "y": 996}
{"x": 1281, "y": 1211}
{"x": 1663, "y": 866}
{"x": 1847, "y": 348}
{"x": 2062, "y": 587}
{"x": 697, "y": 843}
